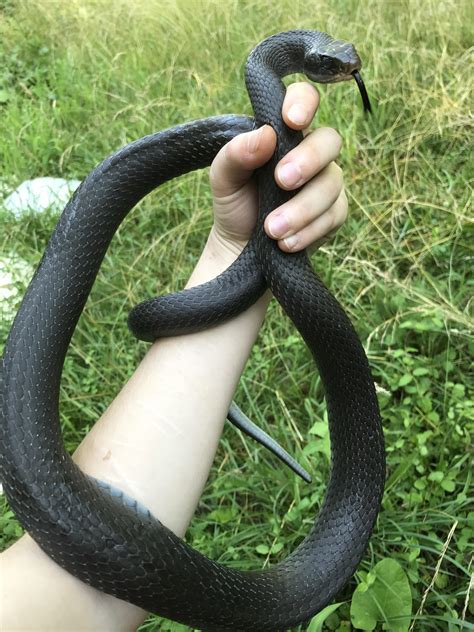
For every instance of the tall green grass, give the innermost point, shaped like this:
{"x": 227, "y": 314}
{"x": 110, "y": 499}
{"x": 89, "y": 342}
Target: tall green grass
{"x": 80, "y": 79}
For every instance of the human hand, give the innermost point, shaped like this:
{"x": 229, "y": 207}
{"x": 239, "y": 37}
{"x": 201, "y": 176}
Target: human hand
{"x": 316, "y": 211}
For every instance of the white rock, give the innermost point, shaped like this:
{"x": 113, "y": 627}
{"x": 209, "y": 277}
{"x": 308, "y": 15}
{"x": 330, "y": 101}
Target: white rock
{"x": 40, "y": 194}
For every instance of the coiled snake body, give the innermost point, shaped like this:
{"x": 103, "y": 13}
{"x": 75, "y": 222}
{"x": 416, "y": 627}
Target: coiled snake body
{"x": 108, "y": 545}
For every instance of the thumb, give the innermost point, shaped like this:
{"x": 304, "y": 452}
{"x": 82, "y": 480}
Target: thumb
{"x": 235, "y": 163}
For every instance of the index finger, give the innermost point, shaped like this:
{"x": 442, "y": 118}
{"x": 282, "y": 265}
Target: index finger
{"x": 300, "y": 104}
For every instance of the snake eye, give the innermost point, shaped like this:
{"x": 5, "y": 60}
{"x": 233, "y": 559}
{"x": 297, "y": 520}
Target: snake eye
{"x": 333, "y": 65}
{"x": 317, "y": 67}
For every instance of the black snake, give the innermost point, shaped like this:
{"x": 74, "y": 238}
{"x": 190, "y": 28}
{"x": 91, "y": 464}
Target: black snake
{"x": 84, "y": 529}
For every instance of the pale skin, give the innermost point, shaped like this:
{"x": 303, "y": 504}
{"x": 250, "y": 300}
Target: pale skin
{"x": 158, "y": 438}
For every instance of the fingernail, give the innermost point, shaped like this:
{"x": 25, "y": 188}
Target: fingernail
{"x": 298, "y": 114}
{"x": 291, "y": 241}
{"x": 253, "y": 140}
{"x": 289, "y": 174}
{"x": 278, "y": 226}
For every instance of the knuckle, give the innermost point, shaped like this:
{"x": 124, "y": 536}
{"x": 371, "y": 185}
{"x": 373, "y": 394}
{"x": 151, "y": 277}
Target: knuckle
{"x": 314, "y": 161}
{"x": 296, "y": 216}
{"x": 336, "y": 169}
{"x": 323, "y": 146}
{"x": 215, "y": 171}
{"x": 344, "y": 201}
{"x": 333, "y": 137}
{"x": 335, "y": 173}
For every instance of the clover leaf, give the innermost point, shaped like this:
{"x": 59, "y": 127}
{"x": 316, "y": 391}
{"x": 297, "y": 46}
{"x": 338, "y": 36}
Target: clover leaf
{"x": 385, "y": 597}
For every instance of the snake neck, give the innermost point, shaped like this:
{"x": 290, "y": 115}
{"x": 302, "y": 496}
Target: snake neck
{"x": 270, "y": 61}
{"x": 276, "y": 57}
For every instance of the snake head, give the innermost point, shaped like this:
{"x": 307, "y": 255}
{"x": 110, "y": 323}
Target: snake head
{"x": 332, "y": 61}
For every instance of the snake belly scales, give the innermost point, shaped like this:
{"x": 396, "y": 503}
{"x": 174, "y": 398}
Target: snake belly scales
{"x": 73, "y": 519}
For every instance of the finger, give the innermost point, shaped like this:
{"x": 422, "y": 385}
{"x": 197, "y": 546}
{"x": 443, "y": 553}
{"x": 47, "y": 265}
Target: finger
{"x": 307, "y": 205}
{"x": 320, "y": 229}
{"x": 300, "y": 104}
{"x": 312, "y": 155}
{"x": 234, "y": 164}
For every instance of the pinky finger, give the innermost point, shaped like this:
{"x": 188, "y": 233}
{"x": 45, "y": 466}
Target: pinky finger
{"x": 318, "y": 231}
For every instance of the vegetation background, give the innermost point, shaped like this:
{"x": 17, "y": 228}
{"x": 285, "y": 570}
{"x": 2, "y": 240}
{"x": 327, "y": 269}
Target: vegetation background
{"x": 78, "y": 79}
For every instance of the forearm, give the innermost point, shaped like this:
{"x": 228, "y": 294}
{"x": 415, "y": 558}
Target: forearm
{"x": 156, "y": 442}
{"x": 172, "y": 410}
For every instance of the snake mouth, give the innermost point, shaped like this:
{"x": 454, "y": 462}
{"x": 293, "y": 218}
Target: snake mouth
{"x": 363, "y": 92}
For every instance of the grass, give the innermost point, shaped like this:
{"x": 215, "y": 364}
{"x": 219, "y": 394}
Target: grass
{"x": 80, "y": 79}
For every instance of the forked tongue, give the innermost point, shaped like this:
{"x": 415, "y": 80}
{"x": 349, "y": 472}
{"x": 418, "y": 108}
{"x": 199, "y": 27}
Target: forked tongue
{"x": 363, "y": 92}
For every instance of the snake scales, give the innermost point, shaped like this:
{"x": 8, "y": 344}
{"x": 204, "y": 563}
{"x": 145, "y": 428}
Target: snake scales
{"x": 84, "y": 529}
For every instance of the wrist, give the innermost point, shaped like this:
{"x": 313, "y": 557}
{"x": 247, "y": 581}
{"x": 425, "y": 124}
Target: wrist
{"x": 218, "y": 254}
{"x": 223, "y": 245}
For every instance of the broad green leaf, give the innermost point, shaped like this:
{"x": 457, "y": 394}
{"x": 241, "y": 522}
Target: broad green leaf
{"x": 316, "y": 624}
{"x": 448, "y": 485}
{"x": 420, "y": 371}
{"x": 387, "y": 600}
{"x": 405, "y": 379}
